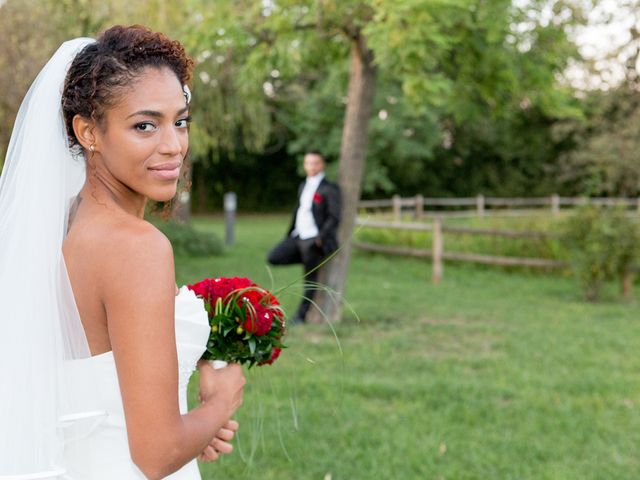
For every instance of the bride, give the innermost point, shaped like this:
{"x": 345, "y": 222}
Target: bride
{"x": 97, "y": 343}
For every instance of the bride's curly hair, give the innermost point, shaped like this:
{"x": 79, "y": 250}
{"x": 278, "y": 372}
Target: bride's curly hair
{"x": 101, "y": 70}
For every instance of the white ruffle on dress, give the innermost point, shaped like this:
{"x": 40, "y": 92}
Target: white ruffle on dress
{"x": 96, "y": 445}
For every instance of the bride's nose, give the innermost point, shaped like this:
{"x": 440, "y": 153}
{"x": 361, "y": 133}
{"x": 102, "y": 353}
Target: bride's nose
{"x": 170, "y": 142}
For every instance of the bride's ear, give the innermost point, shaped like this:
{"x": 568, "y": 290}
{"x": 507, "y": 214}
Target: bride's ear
{"x": 84, "y": 129}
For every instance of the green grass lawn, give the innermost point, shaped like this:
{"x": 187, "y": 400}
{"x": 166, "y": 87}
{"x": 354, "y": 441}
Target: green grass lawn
{"x": 487, "y": 375}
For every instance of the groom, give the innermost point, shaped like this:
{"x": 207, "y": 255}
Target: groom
{"x": 312, "y": 235}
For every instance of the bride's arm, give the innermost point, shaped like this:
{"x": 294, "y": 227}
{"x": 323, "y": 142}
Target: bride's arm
{"x": 137, "y": 288}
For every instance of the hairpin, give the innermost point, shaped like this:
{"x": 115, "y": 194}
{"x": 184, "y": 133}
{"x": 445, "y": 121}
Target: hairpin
{"x": 187, "y": 93}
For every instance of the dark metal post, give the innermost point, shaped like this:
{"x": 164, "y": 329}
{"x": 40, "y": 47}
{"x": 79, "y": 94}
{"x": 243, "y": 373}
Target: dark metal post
{"x": 230, "y": 206}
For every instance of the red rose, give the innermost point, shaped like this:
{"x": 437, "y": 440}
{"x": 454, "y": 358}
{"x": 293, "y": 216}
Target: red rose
{"x": 221, "y": 287}
{"x": 253, "y": 296}
{"x": 275, "y": 353}
{"x": 260, "y": 323}
{"x": 317, "y": 198}
{"x": 241, "y": 282}
{"x": 270, "y": 299}
{"x": 201, "y": 289}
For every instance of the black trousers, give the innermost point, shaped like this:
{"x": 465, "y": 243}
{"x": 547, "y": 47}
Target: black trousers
{"x": 294, "y": 250}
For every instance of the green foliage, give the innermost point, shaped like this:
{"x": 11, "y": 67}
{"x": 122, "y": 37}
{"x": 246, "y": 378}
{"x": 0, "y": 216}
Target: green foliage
{"x": 603, "y": 158}
{"x": 603, "y": 243}
{"x": 187, "y": 240}
{"x": 467, "y": 93}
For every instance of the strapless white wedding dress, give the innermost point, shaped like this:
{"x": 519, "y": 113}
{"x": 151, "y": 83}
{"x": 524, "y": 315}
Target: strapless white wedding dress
{"x": 96, "y": 446}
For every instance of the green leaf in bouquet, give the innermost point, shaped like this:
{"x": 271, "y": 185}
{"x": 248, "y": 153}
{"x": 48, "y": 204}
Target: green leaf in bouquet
{"x": 229, "y": 308}
{"x": 252, "y": 345}
{"x": 218, "y": 307}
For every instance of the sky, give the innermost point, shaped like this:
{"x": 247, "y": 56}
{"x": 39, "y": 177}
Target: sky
{"x": 608, "y": 34}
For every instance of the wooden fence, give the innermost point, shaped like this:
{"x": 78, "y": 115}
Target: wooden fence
{"x": 485, "y": 206}
{"x": 438, "y": 254}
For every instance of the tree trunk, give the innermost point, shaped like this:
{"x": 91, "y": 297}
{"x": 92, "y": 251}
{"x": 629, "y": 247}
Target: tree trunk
{"x": 355, "y": 137}
{"x": 626, "y": 284}
{"x": 181, "y": 204}
{"x": 202, "y": 189}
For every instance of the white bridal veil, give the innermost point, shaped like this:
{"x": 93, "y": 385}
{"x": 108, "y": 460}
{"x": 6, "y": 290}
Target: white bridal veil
{"x": 39, "y": 325}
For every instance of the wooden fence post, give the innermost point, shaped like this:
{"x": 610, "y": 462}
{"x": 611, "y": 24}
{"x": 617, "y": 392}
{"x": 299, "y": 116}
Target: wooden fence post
{"x": 480, "y": 205}
{"x": 438, "y": 249}
{"x": 626, "y": 284}
{"x": 397, "y": 208}
{"x": 419, "y": 206}
{"x": 555, "y": 204}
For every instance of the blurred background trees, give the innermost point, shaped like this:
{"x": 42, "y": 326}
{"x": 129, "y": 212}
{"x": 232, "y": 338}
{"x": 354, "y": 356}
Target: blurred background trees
{"x": 470, "y": 96}
{"x": 431, "y": 97}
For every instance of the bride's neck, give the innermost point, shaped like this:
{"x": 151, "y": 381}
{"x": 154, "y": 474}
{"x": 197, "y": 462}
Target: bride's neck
{"x": 110, "y": 192}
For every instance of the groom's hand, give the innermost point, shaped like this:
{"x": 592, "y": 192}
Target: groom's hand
{"x": 221, "y": 443}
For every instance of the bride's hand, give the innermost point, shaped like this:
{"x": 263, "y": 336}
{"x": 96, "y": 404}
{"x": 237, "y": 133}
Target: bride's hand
{"x": 221, "y": 443}
{"x": 224, "y": 385}
{"x": 207, "y": 380}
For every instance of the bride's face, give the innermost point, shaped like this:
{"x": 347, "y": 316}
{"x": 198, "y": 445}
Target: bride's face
{"x": 144, "y": 137}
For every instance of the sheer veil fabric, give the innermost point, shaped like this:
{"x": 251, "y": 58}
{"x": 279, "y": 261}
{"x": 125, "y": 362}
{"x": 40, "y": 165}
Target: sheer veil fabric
{"x": 39, "y": 324}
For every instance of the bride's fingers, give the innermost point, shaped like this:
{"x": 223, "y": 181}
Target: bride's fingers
{"x": 221, "y": 446}
{"x": 210, "y": 454}
{"x": 232, "y": 425}
{"x": 225, "y": 434}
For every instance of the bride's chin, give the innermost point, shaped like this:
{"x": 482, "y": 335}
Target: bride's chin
{"x": 163, "y": 195}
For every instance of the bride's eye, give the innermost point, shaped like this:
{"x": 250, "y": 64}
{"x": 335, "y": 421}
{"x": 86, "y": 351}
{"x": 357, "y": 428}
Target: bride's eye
{"x": 183, "y": 122}
{"x": 145, "y": 127}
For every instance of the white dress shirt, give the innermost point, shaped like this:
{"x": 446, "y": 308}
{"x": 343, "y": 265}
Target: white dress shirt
{"x": 305, "y": 226}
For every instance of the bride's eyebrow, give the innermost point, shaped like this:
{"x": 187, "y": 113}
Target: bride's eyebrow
{"x": 156, "y": 114}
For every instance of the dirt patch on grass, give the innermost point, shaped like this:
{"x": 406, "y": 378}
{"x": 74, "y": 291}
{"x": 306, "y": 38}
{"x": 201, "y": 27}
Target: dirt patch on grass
{"x": 457, "y": 338}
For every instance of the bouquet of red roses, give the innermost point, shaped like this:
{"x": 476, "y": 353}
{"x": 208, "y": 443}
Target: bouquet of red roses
{"x": 247, "y": 321}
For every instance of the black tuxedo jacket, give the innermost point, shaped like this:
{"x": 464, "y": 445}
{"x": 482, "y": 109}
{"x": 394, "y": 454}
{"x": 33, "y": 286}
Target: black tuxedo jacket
{"x": 326, "y": 213}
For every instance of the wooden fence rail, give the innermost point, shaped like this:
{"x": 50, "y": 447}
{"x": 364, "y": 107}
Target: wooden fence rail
{"x": 481, "y": 205}
{"x": 438, "y": 254}
{"x": 427, "y": 227}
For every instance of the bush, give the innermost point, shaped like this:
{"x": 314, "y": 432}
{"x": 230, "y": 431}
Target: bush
{"x": 603, "y": 244}
{"x": 186, "y": 240}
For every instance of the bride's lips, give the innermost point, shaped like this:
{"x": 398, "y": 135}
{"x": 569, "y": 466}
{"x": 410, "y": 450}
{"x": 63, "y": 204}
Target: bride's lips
{"x": 166, "y": 171}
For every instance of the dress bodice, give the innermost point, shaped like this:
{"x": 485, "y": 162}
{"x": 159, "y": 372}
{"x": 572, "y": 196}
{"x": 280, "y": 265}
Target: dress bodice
{"x": 96, "y": 444}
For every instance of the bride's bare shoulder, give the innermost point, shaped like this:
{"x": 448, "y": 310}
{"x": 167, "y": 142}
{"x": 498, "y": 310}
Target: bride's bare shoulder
{"x": 120, "y": 251}
{"x": 138, "y": 256}
{"x": 134, "y": 236}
